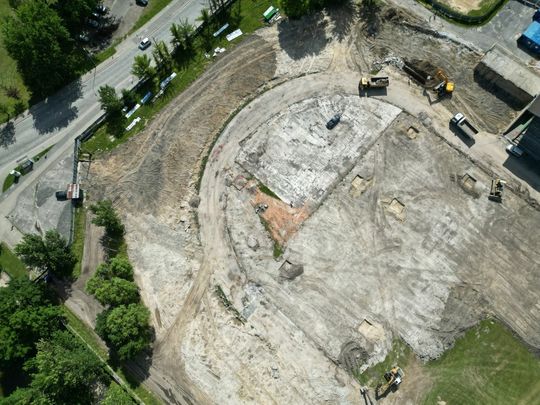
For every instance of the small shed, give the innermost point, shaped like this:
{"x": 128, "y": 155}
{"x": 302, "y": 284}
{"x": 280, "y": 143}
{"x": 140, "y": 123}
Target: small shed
{"x": 270, "y": 12}
{"x": 530, "y": 39}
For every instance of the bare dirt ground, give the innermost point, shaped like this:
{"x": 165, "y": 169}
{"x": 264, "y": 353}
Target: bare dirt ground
{"x": 229, "y": 327}
{"x": 463, "y": 6}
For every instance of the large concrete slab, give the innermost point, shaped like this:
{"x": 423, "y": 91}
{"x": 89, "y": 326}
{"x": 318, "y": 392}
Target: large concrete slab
{"x": 409, "y": 242}
{"x": 299, "y": 159}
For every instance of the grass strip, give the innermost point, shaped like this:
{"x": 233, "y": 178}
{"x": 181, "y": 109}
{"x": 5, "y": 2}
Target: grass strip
{"x": 77, "y": 247}
{"x": 10, "y": 179}
{"x": 267, "y": 191}
{"x": 10, "y": 263}
{"x": 104, "y": 55}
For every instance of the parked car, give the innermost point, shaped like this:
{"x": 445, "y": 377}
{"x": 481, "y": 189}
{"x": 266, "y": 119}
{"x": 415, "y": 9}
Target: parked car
{"x": 101, "y": 9}
{"x": 92, "y": 23}
{"x": 143, "y": 3}
{"x": 61, "y": 195}
{"x": 145, "y": 43}
{"x": 333, "y": 121}
{"x": 83, "y": 37}
{"x": 514, "y": 150}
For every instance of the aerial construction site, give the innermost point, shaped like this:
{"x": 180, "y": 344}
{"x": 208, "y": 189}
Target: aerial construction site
{"x": 288, "y": 221}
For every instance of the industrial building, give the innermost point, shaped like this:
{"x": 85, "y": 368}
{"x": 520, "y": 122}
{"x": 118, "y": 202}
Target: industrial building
{"x": 503, "y": 72}
{"x": 530, "y": 39}
{"x": 525, "y": 131}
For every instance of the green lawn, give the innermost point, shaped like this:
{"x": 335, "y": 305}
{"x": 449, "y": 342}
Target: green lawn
{"x": 11, "y": 263}
{"x": 9, "y": 76}
{"x": 488, "y": 365}
{"x": 250, "y": 19}
{"x": 77, "y": 246}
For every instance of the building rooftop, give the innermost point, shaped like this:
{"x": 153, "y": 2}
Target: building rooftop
{"x": 533, "y": 32}
{"x": 506, "y": 65}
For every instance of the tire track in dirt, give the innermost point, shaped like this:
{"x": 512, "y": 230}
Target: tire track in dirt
{"x": 157, "y": 169}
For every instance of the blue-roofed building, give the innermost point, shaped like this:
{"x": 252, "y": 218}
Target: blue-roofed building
{"x": 530, "y": 39}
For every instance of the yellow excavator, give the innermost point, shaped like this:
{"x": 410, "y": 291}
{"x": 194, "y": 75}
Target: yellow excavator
{"x": 393, "y": 378}
{"x": 445, "y": 86}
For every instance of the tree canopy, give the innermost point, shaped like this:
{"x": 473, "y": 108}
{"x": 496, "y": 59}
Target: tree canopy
{"x": 27, "y": 314}
{"x": 120, "y": 266}
{"x": 126, "y": 329}
{"x": 49, "y": 253}
{"x": 142, "y": 66}
{"x": 110, "y": 102}
{"x": 116, "y": 396}
{"x": 74, "y": 12}
{"x": 42, "y": 46}
{"x": 106, "y": 216}
{"x": 114, "y": 291}
{"x": 64, "y": 370}
{"x": 112, "y": 284}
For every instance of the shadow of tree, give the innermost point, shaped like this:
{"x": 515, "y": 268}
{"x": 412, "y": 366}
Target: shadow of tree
{"x": 342, "y": 17}
{"x": 57, "y": 111}
{"x": 303, "y": 37}
{"x": 7, "y": 135}
{"x": 369, "y": 13}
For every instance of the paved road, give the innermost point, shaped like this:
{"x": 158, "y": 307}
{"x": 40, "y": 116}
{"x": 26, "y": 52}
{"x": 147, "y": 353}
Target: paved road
{"x": 63, "y": 116}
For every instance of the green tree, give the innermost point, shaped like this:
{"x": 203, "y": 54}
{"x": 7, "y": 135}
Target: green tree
{"x": 113, "y": 292}
{"x": 64, "y": 370}
{"x": 129, "y": 98}
{"x": 4, "y": 110}
{"x": 112, "y": 283}
{"x": 116, "y": 396}
{"x": 27, "y": 395}
{"x": 125, "y": 329}
{"x": 294, "y": 8}
{"x": 120, "y": 266}
{"x": 110, "y": 102}
{"x": 38, "y": 40}
{"x": 204, "y": 18}
{"x": 106, "y": 216}
{"x": 182, "y": 36}
{"x": 142, "y": 67}
{"x": 162, "y": 56}
{"x": 27, "y": 314}
{"x": 50, "y": 253}
{"x": 74, "y": 12}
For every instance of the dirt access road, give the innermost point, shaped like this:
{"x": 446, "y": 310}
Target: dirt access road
{"x": 204, "y": 353}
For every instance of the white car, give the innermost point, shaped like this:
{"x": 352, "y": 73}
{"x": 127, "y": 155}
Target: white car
{"x": 145, "y": 43}
{"x": 514, "y": 150}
